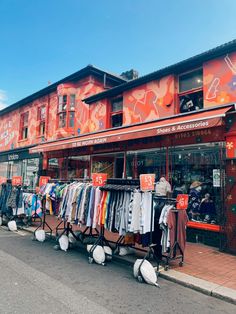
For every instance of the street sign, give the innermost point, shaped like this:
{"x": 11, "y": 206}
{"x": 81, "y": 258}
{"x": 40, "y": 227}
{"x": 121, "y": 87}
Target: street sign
{"x": 147, "y": 182}
{"x": 99, "y": 179}
{"x": 182, "y": 201}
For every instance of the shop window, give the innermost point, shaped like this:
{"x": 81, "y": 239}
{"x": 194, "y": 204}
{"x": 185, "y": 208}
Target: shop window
{"x": 24, "y": 120}
{"x": 57, "y": 168}
{"x": 196, "y": 170}
{"x": 41, "y": 120}
{"x": 117, "y": 112}
{"x": 78, "y": 167}
{"x": 3, "y": 169}
{"x": 112, "y": 164}
{"x": 191, "y": 91}
{"x": 66, "y": 111}
{"x": 146, "y": 161}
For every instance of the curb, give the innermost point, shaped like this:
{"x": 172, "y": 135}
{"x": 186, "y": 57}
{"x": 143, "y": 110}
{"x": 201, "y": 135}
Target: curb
{"x": 197, "y": 284}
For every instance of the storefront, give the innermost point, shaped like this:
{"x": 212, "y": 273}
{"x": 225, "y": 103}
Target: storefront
{"x": 189, "y": 150}
{"x": 20, "y": 162}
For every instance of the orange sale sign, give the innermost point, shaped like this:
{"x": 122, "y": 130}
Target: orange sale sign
{"x": 182, "y": 201}
{"x": 99, "y": 179}
{"x": 43, "y": 180}
{"x": 3, "y": 180}
{"x": 147, "y": 182}
{"x": 17, "y": 180}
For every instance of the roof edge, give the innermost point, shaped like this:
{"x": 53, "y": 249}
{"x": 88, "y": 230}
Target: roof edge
{"x": 174, "y": 69}
{"x": 89, "y": 69}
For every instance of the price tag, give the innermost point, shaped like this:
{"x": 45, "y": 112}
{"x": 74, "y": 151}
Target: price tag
{"x": 182, "y": 201}
{"x": 3, "y": 180}
{"x": 99, "y": 179}
{"x": 43, "y": 180}
{"x": 147, "y": 182}
{"x": 17, "y": 180}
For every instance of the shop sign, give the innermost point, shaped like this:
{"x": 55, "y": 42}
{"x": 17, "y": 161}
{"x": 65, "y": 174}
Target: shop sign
{"x": 17, "y": 180}
{"x": 3, "y": 180}
{"x": 182, "y": 201}
{"x": 181, "y": 127}
{"x": 231, "y": 147}
{"x": 99, "y": 179}
{"x": 216, "y": 178}
{"x": 13, "y": 157}
{"x": 43, "y": 180}
{"x": 147, "y": 182}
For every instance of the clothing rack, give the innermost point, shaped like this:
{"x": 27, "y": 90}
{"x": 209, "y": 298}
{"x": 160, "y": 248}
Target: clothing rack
{"x": 43, "y": 221}
{"x": 18, "y": 219}
{"x": 120, "y": 185}
{"x": 35, "y": 215}
{"x": 172, "y": 255}
{"x": 69, "y": 180}
{"x": 67, "y": 229}
{"x": 150, "y": 251}
{"x": 101, "y": 240}
{"x": 67, "y": 226}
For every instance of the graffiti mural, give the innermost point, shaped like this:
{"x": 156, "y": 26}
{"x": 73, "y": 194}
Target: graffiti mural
{"x": 219, "y": 81}
{"x": 84, "y": 121}
{"x": 150, "y": 101}
{"x": 97, "y": 116}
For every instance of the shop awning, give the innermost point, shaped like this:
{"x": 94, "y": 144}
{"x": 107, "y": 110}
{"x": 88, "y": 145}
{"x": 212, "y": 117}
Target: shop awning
{"x": 182, "y": 123}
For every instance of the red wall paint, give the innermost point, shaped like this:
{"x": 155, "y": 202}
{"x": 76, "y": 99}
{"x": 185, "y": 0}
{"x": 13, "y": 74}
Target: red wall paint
{"x": 219, "y": 81}
{"x": 84, "y": 122}
{"x": 98, "y": 116}
{"x": 10, "y": 123}
{"x": 150, "y": 101}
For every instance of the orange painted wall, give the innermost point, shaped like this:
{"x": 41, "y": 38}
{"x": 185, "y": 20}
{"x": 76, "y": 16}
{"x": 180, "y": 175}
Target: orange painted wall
{"x": 10, "y": 123}
{"x": 10, "y": 126}
{"x": 150, "y": 101}
{"x": 82, "y": 89}
{"x": 219, "y": 80}
{"x": 98, "y": 116}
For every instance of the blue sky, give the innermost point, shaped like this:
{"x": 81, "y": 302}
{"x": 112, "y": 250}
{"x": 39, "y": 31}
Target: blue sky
{"x": 46, "y": 40}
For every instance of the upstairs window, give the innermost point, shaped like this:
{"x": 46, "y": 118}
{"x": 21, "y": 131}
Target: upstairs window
{"x": 191, "y": 91}
{"x": 66, "y": 111}
{"x": 117, "y": 112}
{"x": 41, "y": 119}
{"x": 24, "y": 120}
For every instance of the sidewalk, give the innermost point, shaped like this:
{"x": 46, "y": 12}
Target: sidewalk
{"x": 205, "y": 268}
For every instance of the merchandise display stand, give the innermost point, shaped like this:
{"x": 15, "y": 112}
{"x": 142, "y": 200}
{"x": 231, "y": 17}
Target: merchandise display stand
{"x": 150, "y": 251}
{"x": 68, "y": 229}
{"x": 172, "y": 254}
{"x": 101, "y": 240}
{"x": 90, "y": 233}
{"x": 35, "y": 214}
{"x": 43, "y": 222}
{"x": 60, "y": 228}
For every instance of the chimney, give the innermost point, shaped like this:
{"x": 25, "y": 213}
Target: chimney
{"x": 130, "y": 75}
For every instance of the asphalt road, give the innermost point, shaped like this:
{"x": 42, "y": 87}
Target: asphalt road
{"x": 37, "y": 279}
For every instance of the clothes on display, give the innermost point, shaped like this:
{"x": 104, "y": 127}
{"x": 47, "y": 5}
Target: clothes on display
{"x": 163, "y": 187}
{"x": 5, "y": 191}
{"x": 122, "y": 209}
{"x": 201, "y": 209}
{"x": 194, "y": 200}
{"x": 15, "y": 202}
{"x": 115, "y": 207}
